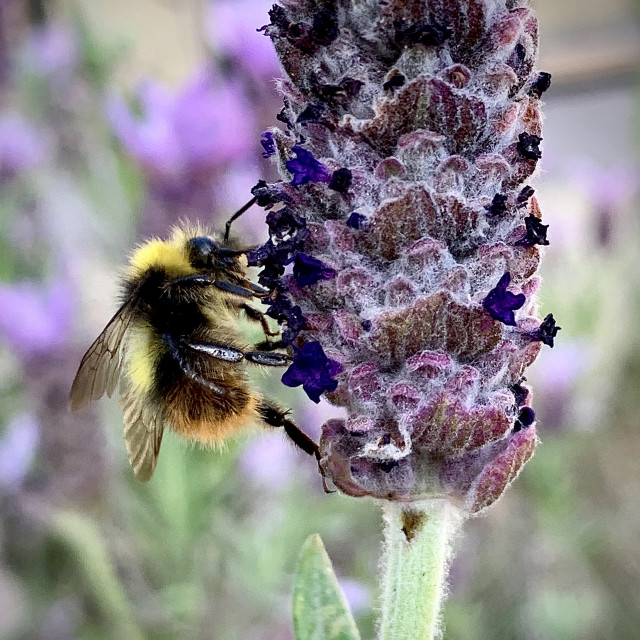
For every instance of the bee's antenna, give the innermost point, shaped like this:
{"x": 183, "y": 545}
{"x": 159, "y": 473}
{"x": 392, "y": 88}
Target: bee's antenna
{"x": 235, "y": 216}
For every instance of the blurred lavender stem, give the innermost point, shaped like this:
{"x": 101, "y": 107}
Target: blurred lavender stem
{"x": 414, "y": 564}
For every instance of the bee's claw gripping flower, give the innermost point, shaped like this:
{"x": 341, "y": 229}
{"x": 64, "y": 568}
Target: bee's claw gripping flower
{"x": 412, "y": 130}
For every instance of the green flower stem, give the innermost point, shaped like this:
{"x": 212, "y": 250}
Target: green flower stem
{"x": 417, "y": 548}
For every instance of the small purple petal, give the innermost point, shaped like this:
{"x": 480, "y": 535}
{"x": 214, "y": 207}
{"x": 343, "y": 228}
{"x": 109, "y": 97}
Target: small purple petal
{"x": 308, "y": 271}
{"x": 325, "y": 28}
{"x": 529, "y": 146}
{"x": 498, "y": 206}
{"x": 541, "y": 84}
{"x": 295, "y": 323}
{"x": 501, "y": 303}
{"x": 341, "y": 180}
{"x": 268, "y": 144}
{"x": 524, "y": 196}
{"x": 313, "y": 370}
{"x": 536, "y": 233}
{"x": 356, "y": 220}
{"x": 547, "y": 331}
{"x": 526, "y": 416}
{"x": 305, "y": 168}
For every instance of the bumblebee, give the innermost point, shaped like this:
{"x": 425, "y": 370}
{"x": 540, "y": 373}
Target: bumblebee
{"x": 175, "y": 348}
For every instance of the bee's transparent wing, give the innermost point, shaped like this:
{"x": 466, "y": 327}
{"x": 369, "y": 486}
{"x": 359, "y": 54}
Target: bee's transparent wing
{"x": 100, "y": 367}
{"x": 143, "y": 428}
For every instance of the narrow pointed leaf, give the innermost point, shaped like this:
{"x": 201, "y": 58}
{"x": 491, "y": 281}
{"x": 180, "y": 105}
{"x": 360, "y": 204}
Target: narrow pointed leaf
{"x": 320, "y": 609}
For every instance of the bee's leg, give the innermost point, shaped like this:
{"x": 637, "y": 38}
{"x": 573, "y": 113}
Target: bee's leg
{"x": 206, "y": 281}
{"x": 233, "y": 288}
{"x": 268, "y": 358}
{"x": 258, "y": 316}
{"x": 273, "y": 416}
{"x": 235, "y": 216}
{"x": 268, "y": 345}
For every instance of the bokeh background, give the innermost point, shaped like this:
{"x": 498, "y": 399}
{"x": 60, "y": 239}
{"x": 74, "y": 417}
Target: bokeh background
{"x": 118, "y": 117}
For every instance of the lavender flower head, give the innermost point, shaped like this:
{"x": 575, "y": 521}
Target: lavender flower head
{"x": 191, "y": 132}
{"x": 412, "y": 130}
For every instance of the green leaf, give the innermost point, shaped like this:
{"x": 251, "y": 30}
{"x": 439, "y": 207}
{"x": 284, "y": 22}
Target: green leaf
{"x": 320, "y": 610}
{"x": 80, "y": 536}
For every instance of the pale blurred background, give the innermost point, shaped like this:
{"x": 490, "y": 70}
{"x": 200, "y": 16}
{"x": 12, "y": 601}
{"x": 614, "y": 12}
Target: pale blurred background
{"x": 118, "y": 117}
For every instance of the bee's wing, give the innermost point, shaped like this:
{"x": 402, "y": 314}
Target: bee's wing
{"x": 100, "y": 367}
{"x": 143, "y": 428}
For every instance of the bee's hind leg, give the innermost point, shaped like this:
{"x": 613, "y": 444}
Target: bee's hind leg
{"x": 273, "y": 416}
{"x": 258, "y": 316}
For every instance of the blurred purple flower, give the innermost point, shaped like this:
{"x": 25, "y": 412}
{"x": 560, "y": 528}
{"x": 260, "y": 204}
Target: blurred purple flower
{"x": 17, "y": 448}
{"x": 316, "y": 415}
{"x": 206, "y": 125}
{"x": 22, "y": 147}
{"x": 555, "y": 377}
{"x": 53, "y": 50}
{"x": 268, "y": 460}
{"x": 357, "y": 595}
{"x": 608, "y": 190}
{"x": 35, "y": 319}
{"x": 232, "y": 30}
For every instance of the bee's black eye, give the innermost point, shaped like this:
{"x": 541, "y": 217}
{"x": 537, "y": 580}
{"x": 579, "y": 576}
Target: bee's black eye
{"x": 201, "y": 250}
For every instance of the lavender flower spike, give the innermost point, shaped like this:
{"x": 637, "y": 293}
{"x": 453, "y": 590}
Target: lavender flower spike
{"x": 418, "y": 312}
{"x": 431, "y": 113}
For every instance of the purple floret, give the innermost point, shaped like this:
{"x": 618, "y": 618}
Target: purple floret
{"x": 305, "y": 168}
{"x": 308, "y": 270}
{"x": 341, "y": 180}
{"x": 268, "y": 144}
{"x": 536, "y": 233}
{"x": 529, "y": 146}
{"x": 313, "y": 370}
{"x": 547, "y": 331}
{"x": 356, "y": 220}
{"x": 501, "y": 303}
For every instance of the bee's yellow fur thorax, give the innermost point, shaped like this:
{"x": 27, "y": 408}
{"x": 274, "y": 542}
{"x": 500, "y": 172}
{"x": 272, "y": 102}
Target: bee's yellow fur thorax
{"x": 171, "y": 255}
{"x": 160, "y": 253}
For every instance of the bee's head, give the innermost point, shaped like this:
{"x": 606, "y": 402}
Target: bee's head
{"x": 207, "y": 255}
